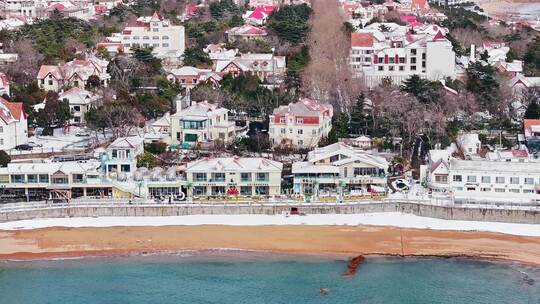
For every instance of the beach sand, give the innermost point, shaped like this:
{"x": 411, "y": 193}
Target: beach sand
{"x": 348, "y": 241}
{"x": 507, "y": 6}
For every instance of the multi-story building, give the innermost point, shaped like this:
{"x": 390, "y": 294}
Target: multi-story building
{"x": 120, "y": 159}
{"x": 4, "y": 85}
{"x": 234, "y": 176}
{"x": 165, "y": 38}
{"x": 73, "y": 74}
{"x": 188, "y": 77}
{"x": 301, "y": 124}
{"x": 201, "y": 122}
{"x": 387, "y": 51}
{"x": 13, "y": 124}
{"x": 339, "y": 169}
{"x": 80, "y": 101}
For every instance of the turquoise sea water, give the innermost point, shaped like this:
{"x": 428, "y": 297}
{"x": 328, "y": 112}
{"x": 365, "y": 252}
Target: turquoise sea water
{"x": 266, "y": 280}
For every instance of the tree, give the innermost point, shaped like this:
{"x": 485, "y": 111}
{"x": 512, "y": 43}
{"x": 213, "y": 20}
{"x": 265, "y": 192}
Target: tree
{"x": 424, "y": 90}
{"x": 23, "y": 72}
{"x": 56, "y": 112}
{"x": 144, "y": 55}
{"x": 533, "y": 111}
{"x": 147, "y": 160}
{"x": 482, "y": 83}
{"x": 290, "y": 22}
{"x": 361, "y": 122}
{"x": 195, "y": 56}
{"x": 93, "y": 82}
{"x": 340, "y": 128}
{"x": 4, "y": 158}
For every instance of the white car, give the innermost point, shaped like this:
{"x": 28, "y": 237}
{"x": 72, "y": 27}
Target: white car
{"x": 401, "y": 185}
{"x": 82, "y": 133}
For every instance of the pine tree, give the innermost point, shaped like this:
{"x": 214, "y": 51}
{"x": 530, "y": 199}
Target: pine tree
{"x": 340, "y": 128}
{"x": 361, "y": 122}
{"x": 533, "y": 111}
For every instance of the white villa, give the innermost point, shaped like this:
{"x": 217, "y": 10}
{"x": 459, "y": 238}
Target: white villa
{"x": 80, "y": 101}
{"x": 13, "y": 124}
{"x": 339, "y": 169}
{"x": 201, "y": 122}
{"x": 234, "y": 176}
{"x": 120, "y": 160}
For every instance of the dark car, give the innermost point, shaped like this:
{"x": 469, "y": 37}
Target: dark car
{"x": 25, "y": 147}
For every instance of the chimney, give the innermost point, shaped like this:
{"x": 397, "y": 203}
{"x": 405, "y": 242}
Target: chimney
{"x": 473, "y": 53}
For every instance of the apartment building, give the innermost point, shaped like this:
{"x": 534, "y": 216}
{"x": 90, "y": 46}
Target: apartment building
{"x": 301, "y": 124}
{"x": 201, "y": 122}
{"x": 165, "y": 38}
{"x": 387, "y": 51}
{"x": 339, "y": 169}
{"x": 73, "y": 74}
{"x": 234, "y": 176}
{"x": 13, "y": 124}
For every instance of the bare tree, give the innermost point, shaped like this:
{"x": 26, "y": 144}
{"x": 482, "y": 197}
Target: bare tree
{"x": 24, "y": 70}
{"x": 328, "y": 76}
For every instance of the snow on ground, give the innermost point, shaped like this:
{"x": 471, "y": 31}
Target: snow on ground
{"x": 394, "y": 219}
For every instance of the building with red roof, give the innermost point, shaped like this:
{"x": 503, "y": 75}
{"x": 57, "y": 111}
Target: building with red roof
{"x": 301, "y": 124}
{"x": 13, "y": 124}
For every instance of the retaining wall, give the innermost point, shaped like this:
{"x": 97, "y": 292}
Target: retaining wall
{"x": 441, "y": 212}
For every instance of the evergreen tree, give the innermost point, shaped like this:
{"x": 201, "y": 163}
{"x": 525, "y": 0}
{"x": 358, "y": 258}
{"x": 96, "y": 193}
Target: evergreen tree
{"x": 361, "y": 122}
{"x": 4, "y": 158}
{"x": 533, "y": 111}
{"x": 340, "y": 128}
{"x": 291, "y": 22}
{"x": 424, "y": 90}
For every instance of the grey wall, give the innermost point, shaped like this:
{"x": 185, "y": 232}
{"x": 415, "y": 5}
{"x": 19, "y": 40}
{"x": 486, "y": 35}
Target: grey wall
{"x": 449, "y": 213}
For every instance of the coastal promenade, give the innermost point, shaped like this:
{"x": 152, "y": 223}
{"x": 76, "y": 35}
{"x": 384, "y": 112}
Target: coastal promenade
{"x": 123, "y": 208}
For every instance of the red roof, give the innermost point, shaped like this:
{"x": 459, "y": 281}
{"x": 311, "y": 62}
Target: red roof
{"x": 361, "y": 39}
{"x": 16, "y": 109}
{"x": 439, "y": 36}
{"x": 528, "y": 123}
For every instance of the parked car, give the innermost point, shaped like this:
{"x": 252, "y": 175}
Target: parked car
{"x": 34, "y": 145}
{"x": 82, "y": 133}
{"x": 25, "y": 147}
{"x": 401, "y": 185}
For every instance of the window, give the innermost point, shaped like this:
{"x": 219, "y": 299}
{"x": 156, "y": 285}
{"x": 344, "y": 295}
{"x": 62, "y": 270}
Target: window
{"x": 135, "y": 37}
{"x": 43, "y": 178}
{"x": 300, "y": 120}
{"x": 262, "y": 190}
{"x": 245, "y": 177}
{"x": 32, "y": 178}
{"x": 78, "y": 178}
{"x": 165, "y": 38}
{"x": 471, "y": 179}
{"x": 145, "y": 38}
{"x": 165, "y": 45}
{"x": 245, "y": 190}
{"x": 401, "y": 59}
{"x": 381, "y": 68}
{"x": 514, "y": 180}
{"x": 401, "y": 68}
{"x": 114, "y": 153}
{"x": 441, "y": 179}
{"x": 528, "y": 191}
{"x": 485, "y": 189}
{"x": 391, "y": 68}
{"x": 1, "y": 129}
{"x": 282, "y": 120}
{"x": 218, "y": 177}
{"x": 199, "y": 177}
{"x": 17, "y": 178}
{"x": 282, "y": 131}
{"x": 125, "y": 168}
{"x": 413, "y": 60}
{"x": 499, "y": 190}
{"x": 1, "y": 141}
{"x": 499, "y": 180}
{"x": 486, "y": 179}
{"x": 314, "y": 132}
{"x": 155, "y": 37}
{"x": 381, "y": 60}
{"x": 199, "y": 190}
{"x": 300, "y": 131}
{"x": 300, "y": 142}
{"x": 529, "y": 180}
{"x": 50, "y": 82}
{"x": 413, "y": 68}
{"x": 456, "y": 178}
{"x": 262, "y": 177}
{"x": 155, "y": 30}
{"x": 413, "y": 51}
{"x": 514, "y": 190}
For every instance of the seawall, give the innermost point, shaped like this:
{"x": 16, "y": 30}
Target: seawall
{"x": 441, "y": 212}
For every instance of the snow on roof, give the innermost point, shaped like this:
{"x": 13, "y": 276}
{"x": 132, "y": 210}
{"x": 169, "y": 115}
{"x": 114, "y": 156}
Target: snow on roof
{"x": 51, "y": 168}
{"x": 77, "y": 95}
{"x": 495, "y": 166}
{"x": 11, "y": 111}
{"x": 126, "y": 142}
{"x": 305, "y": 107}
{"x": 349, "y": 155}
{"x": 246, "y": 30}
{"x": 234, "y": 164}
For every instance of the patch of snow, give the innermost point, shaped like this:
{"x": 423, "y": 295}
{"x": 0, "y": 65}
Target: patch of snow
{"x": 393, "y": 219}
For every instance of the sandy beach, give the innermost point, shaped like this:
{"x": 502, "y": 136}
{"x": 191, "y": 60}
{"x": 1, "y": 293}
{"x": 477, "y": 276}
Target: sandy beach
{"x": 508, "y": 6}
{"x": 348, "y": 241}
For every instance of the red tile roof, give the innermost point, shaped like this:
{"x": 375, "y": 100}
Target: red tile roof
{"x": 361, "y": 39}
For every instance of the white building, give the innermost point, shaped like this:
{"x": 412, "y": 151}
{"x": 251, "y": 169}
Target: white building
{"x": 388, "y": 51}
{"x": 74, "y": 74}
{"x": 201, "y": 122}
{"x": 233, "y": 176}
{"x": 4, "y": 85}
{"x": 13, "y": 124}
{"x": 269, "y": 68}
{"x": 120, "y": 159}
{"x": 166, "y": 39}
{"x": 80, "y": 101}
{"x": 301, "y": 124}
{"x": 340, "y": 169}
